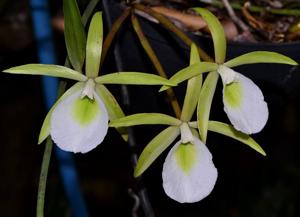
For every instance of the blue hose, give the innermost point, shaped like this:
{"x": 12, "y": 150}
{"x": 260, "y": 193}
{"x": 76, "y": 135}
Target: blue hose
{"x": 46, "y": 53}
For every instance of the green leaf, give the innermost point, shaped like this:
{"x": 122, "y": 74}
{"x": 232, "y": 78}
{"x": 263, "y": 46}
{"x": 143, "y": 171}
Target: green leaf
{"x": 113, "y": 108}
{"x": 88, "y": 11}
{"x": 45, "y": 69}
{"x": 217, "y": 33}
{"x": 94, "y": 46}
{"x": 155, "y": 147}
{"x": 260, "y": 57}
{"x": 193, "y": 88}
{"x": 145, "y": 118}
{"x": 191, "y": 71}
{"x": 204, "y": 103}
{"x": 45, "y": 130}
{"x": 74, "y": 34}
{"x": 133, "y": 78}
{"x": 229, "y": 131}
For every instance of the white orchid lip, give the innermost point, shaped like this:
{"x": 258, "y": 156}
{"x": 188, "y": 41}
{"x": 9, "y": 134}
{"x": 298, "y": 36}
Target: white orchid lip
{"x": 227, "y": 74}
{"x": 186, "y": 133}
{"x": 189, "y": 174}
{"x": 89, "y": 89}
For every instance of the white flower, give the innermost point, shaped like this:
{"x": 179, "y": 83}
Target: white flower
{"x": 79, "y": 120}
{"x": 243, "y": 102}
{"x": 189, "y": 174}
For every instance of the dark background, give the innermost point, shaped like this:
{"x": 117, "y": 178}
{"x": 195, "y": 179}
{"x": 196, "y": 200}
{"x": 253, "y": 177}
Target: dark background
{"x": 248, "y": 184}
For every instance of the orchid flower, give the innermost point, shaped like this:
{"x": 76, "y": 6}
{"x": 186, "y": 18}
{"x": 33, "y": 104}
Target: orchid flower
{"x": 243, "y": 101}
{"x": 189, "y": 174}
{"x": 78, "y": 121}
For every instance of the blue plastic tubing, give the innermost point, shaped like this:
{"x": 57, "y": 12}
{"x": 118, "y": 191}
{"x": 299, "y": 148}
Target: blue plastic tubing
{"x": 46, "y": 53}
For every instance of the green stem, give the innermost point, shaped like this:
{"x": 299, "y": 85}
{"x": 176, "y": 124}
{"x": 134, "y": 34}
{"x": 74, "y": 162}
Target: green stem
{"x": 169, "y": 25}
{"x": 43, "y": 178}
{"x": 256, "y": 9}
{"x": 112, "y": 33}
{"x": 154, "y": 59}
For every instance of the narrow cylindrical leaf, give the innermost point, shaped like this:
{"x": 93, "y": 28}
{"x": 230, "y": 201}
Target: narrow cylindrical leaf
{"x": 145, "y": 118}
{"x": 229, "y": 131}
{"x": 204, "y": 103}
{"x": 191, "y": 71}
{"x": 113, "y": 108}
{"x": 217, "y": 33}
{"x": 49, "y": 70}
{"x": 136, "y": 78}
{"x": 193, "y": 88}
{"x": 74, "y": 34}
{"x": 155, "y": 147}
{"x": 260, "y": 57}
{"x": 94, "y": 46}
{"x": 45, "y": 130}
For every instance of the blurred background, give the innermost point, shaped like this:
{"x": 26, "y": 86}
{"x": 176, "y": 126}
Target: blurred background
{"x": 248, "y": 184}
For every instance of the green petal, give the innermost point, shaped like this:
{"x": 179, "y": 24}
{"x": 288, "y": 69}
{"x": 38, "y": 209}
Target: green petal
{"x": 229, "y": 131}
{"x": 145, "y": 118}
{"x": 155, "y": 147}
{"x": 136, "y": 78}
{"x": 260, "y": 57}
{"x": 217, "y": 33}
{"x": 74, "y": 34}
{"x": 45, "y": 130}
{"x": 204, "y": 103}
{"x": 191, "y": 71}
{"x": 113, "y": 108}
{"x": 193, "y": 88}
{"x": 49, "y": 70}
{"x": 94, "y": 46}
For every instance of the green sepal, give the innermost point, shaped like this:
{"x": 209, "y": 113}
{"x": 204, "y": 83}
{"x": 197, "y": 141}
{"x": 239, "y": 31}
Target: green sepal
{"x": 217, "y": 33}
{"x": 191, "y": 71}
{"x": 193, "y": 88}
{"x": 260, "y": 57}
{"x": 94, "y": 46}
{"x": 45, "y": 130}
{"x": 75, "y": 37}
{"x": 113, "y": 108}
{"x": 228, "y": 130}
{"x": 204, "y": 103}
{"x": 155, "y": 147}
{"x": 135, "y": 78}
{"x": 145, "y": 118}
{"x": 46, "y": 69}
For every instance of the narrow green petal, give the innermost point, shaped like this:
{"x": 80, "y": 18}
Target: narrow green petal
{"x": 155, "y": 147}
{"x": 204, "y": 103}
{"x": 94, "y": 46}
{"x": 191, "y": 71}
{"x": 193, "y": 88}
{"x": 113, "y": 108}
{"x": 260, "y": 57}
{"x": 74, "y": 34}
{"x": 217, "y": 33}
{"x": 136, "y": 78}
{"x": 145, "y": 118}
{"x": 49, "y": 70}
{"x": 229, "y": 131}
{"x": 45, "y": 130}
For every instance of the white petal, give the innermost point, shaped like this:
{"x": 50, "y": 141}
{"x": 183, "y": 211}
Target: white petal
{"x": 189, "y": 174}
{"x": 245, "y": 106}
{"x": 79, "y": 125}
